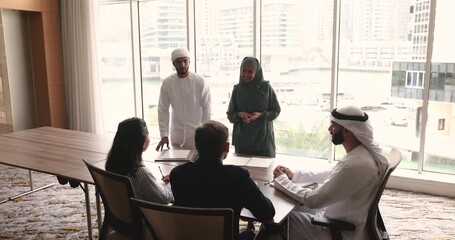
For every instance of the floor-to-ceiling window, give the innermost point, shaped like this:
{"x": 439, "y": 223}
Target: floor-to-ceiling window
{"x": 296, "y": 49}
{"x": 116, "y": 63}
{"x": 380, "y": 66}
{"x": 162, "y": 28}
{"x": 440, "y": 126}
{"x": 224, "y": 36}
{"x": 374, "y": 35}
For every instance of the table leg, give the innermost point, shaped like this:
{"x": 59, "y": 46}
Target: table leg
{"x": 89, "y": 214}
{"x": 286, "y": 230}
{"x": 26, "y": 193}
{"x": 31, "y": 181}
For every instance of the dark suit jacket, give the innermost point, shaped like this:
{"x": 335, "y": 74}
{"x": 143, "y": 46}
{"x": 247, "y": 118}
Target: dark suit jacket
{"x": 201, "y": 185}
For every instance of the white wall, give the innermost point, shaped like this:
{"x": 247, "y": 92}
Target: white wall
{"x": 19, "y": 67}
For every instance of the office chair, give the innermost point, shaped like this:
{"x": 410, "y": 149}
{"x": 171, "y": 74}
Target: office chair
{"x": 375, "y": 224}
{"x": 122, "y": 220}
{"x": 168, "y": 222}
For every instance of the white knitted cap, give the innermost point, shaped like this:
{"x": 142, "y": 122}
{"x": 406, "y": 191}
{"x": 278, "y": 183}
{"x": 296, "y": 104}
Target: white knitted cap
{"x": 179, "y": 52}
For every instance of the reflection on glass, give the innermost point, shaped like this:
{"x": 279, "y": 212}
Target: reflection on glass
{"x": 381, "y": 70}
{"x": 3, "y": 113}
{"x": 2, "y": 101}
{"x": 6, "y": 119}
{"x": 115, "y": 64}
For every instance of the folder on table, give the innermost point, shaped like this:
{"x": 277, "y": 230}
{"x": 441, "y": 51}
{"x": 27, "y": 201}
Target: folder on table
{"x": 249, "y": 161}
{"x": 176, "y": 155}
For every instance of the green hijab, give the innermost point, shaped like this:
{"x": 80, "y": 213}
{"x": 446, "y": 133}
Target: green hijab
{"x": 258, "y": 76}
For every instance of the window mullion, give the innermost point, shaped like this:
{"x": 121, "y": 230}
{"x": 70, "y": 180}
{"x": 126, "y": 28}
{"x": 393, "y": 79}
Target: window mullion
{"x": 136, "y": 58}
{"x": 335, "y": 63}
{"x": 257, "y": 23}
{"x": 190, "y": 31}
{"x": 426, "y": 89}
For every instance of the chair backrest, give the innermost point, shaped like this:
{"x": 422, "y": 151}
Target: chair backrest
{"x": 115, "y": 191}
{"x": 375, "y": 223}
{"x": 175, "y": 222}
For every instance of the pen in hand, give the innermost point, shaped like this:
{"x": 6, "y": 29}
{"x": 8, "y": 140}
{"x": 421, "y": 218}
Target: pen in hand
{"x": 162, "y": 176}
{"x": 269, "y": 182}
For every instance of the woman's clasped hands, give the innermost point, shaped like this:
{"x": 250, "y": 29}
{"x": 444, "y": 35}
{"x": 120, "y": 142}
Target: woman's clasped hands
{"x": 247, "y": 117}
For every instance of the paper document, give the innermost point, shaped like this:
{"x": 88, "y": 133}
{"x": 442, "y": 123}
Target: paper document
{"x": 249, "y": 161}
{"x": 260, "y": 162}
{"x": 172, "y": 153}
{"x": 176, "y": 155}
{"x": 238, "y": 161}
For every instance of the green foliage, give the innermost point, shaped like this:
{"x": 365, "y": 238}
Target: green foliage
{"x": 301, "y": 141}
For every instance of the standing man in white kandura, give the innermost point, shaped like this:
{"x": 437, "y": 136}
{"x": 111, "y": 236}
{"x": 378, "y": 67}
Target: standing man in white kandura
{"x": 185, "y": 99}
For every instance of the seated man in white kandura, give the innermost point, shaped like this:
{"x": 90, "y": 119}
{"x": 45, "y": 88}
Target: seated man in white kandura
{"x": 344, "y": 192}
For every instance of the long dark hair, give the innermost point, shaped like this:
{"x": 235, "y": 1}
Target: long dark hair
{"x": 125, "y": 155}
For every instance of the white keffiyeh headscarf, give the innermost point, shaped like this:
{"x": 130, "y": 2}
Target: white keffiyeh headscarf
{"x": 356, "y": 121}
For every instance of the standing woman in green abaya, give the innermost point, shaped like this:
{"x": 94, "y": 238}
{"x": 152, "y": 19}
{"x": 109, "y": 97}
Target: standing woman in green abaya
{"x": 252, "y": 109}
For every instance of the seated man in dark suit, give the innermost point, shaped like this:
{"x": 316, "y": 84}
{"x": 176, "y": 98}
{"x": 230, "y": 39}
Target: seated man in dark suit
{"x": 208, "y": 183}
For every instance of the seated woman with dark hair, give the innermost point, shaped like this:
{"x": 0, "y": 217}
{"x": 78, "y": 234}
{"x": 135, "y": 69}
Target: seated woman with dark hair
{"x": 125, "y": 158}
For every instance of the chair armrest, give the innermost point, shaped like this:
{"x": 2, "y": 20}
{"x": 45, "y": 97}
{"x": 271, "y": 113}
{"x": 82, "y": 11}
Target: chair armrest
{"x": 332, "y": 223}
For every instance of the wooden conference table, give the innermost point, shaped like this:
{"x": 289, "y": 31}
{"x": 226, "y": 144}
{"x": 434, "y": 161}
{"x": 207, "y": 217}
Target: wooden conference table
{"x": 56, "y": 152}
{"x": 60, "y": 152}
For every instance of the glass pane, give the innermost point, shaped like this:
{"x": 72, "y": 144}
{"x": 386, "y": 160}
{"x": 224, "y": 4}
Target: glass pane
{"x": 4, "y": 93}
{"x": 115, "y": 64}
{"x": 6, "y": 124}
{"x": 162, "y": 29}
{"x": 379, "y": 68}
{"x": 296, "y": 59}
{"x": 224, "y": 36}
{"x": 440, "y": 131}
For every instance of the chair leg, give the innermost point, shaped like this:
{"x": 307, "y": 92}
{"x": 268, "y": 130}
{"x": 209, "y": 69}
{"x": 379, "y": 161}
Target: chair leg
{"x": 380, "y": 221}
{"x": 336, "y": 235}
{"x": 250, "y": 226}
{"x": 385, "y": 235}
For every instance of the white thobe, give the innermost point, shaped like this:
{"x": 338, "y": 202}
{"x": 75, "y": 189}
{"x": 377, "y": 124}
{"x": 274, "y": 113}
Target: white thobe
{"x": 345, "y": 193}
{"x": 187, "y": 101}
